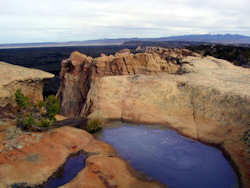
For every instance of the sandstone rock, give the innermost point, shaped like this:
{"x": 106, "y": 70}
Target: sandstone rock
{"x": 211, "y": 104}
{"x": 202, "y": 97}
{"x": 103, "y": 171}
{"x": 31, "y": 158}
{"x": 123, "y": 52}
{"x": 13, "y": 77}
{"x": 79, "y": 72}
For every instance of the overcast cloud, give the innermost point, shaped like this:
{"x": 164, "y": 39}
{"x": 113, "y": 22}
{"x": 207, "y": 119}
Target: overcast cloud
{"x": 77, "y": 20}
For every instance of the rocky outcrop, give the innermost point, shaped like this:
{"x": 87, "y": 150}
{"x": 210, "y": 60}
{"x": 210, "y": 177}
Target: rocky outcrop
{"x": 202, "y": 97}
{"x": 211, "y": 104}
{"x": 30, "y": 159}
{"x": 79, "y": 72}
{"x": 29, "y": 81}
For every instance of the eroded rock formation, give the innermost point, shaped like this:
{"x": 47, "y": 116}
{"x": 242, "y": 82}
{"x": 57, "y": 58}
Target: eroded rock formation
{"x": 202, "y": 97}
{"x": 29, "y": 81}
{"x": 79, "y": 72}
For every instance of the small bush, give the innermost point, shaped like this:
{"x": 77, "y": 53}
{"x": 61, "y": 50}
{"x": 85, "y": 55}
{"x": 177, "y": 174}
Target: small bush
{"x": 21, "y": 100}
{"x": 52, "y": 107}
{"x": 44, "y": 123}
{"x": 26, "y": 123}
{"x": 30, "y": 115}
{"x": 93, "y": 125}
{"x": 40, "y": 104}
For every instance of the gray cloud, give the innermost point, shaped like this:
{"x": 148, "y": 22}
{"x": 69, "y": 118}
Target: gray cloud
{"x": 64, "y": 20}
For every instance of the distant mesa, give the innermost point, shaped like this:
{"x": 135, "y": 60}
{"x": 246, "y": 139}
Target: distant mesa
{"x": 202, "y": 38}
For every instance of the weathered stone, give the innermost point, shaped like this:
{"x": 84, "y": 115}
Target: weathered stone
{"x": 42, "y": 154}
{"x": 108, "y": 172}
{"x": 79, "y": 72}
{"x": 29, "y": 81}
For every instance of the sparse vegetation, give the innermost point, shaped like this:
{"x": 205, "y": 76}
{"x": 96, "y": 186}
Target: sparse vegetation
{"x": 26, "y": 122}
{"x": 93, "y": 125}
{"x": 52, "y": 107}
{"x": 31, "y": 116}
{"x": 21, "y": 100}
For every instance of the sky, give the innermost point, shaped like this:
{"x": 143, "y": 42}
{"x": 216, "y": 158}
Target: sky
{"x": 25, "y": 21}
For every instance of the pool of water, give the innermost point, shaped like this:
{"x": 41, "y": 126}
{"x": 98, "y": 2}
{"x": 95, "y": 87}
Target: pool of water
{"x": 164, "y": 155}
{"x": 71, "y": 168}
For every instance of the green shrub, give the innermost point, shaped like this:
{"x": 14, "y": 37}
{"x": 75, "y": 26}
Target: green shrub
{"x": 21, "y": 100}
{"x": 26, "y": 123}
{"x": 41, "y": 114}
{"x": 52, "y": 107}
{"x": 93, "y": 125}
{"x": 44, "y": 122}
{"x": 40, "y": 104}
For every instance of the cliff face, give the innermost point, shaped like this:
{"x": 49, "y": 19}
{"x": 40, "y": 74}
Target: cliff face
{"x": 202, "y": 97}
{"x": 29, "y": 81}
{"x": 79, "y": 72}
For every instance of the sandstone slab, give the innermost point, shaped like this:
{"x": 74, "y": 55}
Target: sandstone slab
{"x": 29, "y": 81}
{"x": 30, "y": 159}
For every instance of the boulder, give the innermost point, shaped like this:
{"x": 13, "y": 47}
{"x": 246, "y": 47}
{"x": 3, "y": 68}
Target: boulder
{"x": 29, "y": 81}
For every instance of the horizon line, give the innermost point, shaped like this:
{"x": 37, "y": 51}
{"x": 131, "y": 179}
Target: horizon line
{"x": 122, "y": 38}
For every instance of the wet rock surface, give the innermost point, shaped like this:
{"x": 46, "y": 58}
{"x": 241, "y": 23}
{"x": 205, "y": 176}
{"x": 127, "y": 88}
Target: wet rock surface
{"x": 70, "y": 169}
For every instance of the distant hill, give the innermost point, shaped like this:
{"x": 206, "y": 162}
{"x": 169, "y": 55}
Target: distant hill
{"x": 207, "y": 38}
{"x": 225, "y": 39}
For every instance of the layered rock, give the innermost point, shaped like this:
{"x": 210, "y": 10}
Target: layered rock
{"x": 30, "y": 159}
{"x": 29, "y": 81}
{"x": 202, "y": 97}
{"x": 79, "y": 72}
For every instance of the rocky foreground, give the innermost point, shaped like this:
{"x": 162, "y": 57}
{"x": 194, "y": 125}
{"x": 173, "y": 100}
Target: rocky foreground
{"x": 30, "y": 159}
{"x": 201, "y": 97}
